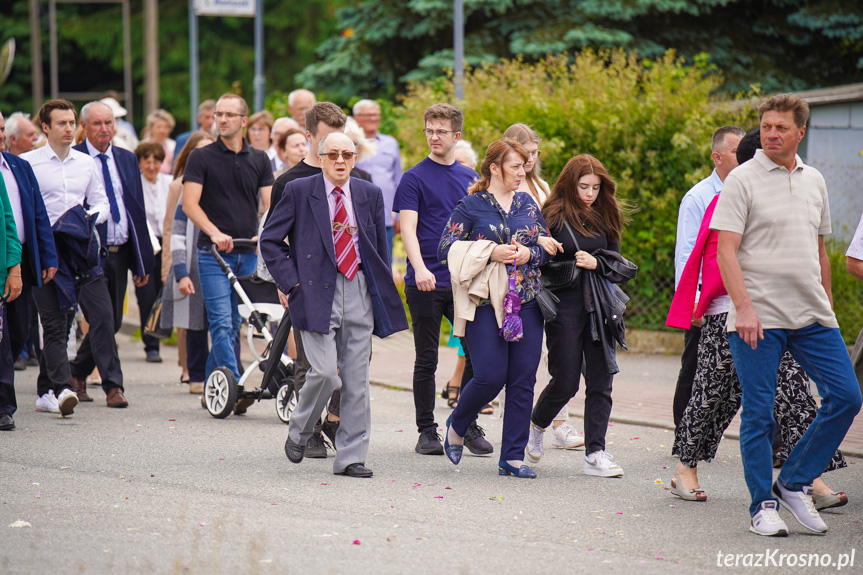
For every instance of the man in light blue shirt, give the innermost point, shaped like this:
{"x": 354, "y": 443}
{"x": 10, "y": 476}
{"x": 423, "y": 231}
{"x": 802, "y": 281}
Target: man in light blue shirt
{"x": 692, "y": 207}
{"x": 385, "y": 166}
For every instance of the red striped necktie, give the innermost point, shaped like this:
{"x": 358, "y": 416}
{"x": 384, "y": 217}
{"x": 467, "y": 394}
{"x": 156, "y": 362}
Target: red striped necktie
{"x": 346, "y": 252}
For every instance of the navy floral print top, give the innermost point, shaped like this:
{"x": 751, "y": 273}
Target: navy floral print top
{"x": 479, "y": 217}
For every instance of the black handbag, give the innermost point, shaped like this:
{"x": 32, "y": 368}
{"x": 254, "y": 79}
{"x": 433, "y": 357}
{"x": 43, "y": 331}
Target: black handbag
{"x": 547, "y": 302}
{"x": 153, "y": 327}
{"x": 561, "y": 275}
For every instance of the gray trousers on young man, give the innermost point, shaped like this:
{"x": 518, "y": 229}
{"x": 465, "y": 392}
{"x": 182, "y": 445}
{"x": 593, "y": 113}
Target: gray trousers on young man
{"x": 340, "y": 359}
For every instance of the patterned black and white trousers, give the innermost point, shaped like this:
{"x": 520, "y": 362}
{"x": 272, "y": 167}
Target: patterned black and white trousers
{"x": 716, "y": 398}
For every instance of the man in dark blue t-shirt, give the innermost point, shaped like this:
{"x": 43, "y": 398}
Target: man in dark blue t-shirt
{"x": 425, "y": 199}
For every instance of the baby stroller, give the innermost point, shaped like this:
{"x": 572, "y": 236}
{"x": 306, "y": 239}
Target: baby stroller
{"x": 259, "y": 305}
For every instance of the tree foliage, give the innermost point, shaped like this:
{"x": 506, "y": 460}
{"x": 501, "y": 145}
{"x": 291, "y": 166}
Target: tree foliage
{"x": 779, "y": 44}
{"x": 90, "y": 45}
{"x": 649, "y": 121}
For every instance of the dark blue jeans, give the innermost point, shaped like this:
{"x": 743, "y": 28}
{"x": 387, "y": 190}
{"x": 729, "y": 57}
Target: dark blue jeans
{"x": 499, "y": 364}
{"x": 220, "y": 301}
{"x": 823, "y": 355}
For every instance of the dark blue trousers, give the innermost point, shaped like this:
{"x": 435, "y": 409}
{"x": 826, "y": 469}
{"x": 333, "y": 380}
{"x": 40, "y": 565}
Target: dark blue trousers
{"x": 498, "y": 364}
{"x": 8, "y": 403}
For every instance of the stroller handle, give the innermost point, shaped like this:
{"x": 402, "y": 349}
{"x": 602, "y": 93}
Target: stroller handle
{"x": 242, "y": 243}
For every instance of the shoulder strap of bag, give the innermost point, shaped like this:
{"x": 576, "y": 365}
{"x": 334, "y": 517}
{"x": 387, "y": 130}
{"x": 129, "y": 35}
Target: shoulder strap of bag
{"x": 572, "y": 235}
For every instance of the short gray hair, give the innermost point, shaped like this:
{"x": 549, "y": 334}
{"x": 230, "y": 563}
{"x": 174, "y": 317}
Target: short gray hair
{"x": 85, "y": 111}
{"x": 365, "y": 104}
{"x": 13, "y": 123}
{"x": 322, "y": 145}
{"x": 465, "y": 145}
{"x": 285, "y": 120}
{"x": 293, "y": 95}
{"x": 719, "y": 136}
{"x": 206, "y": 105}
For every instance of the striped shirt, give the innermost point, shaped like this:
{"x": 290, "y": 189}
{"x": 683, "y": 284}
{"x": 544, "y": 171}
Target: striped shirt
{"x": 780, "y": 216}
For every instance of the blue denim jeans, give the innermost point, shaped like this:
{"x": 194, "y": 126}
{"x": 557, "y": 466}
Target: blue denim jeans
{"x": 822, "y": 353}
{"x": 220, "y": 301}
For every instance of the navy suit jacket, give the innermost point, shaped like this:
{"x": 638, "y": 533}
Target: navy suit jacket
{"x": 126, "y": 162}
{"x": 37, "y": 226}
{"x": 302, "y": 216}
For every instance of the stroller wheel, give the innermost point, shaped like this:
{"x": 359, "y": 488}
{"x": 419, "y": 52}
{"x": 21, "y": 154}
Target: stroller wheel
{"x": 286, "y": 401}
{"x": 220, "y": 392}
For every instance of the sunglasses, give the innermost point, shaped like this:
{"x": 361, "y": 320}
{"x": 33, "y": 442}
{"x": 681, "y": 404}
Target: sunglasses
{"x": 335, "y": 155}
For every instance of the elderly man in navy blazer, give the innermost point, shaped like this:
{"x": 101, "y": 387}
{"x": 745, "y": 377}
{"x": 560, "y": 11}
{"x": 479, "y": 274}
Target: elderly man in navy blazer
{"x": 127, "y": 242}
{"x": 39, "y": 256}
{"x": 336, "y": 273}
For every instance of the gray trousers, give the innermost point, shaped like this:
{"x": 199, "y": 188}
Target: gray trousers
{"x": 340, "y": 359}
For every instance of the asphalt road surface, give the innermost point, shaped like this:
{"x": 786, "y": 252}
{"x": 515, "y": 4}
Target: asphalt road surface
{"x": 162, "y": 487}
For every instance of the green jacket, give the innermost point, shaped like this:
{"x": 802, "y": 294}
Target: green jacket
{"x": 10, "y": 246}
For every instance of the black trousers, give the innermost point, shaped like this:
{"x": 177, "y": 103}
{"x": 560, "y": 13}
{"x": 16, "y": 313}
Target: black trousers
{"x": 19, "y": 312}
{"x": 686, "y": 377}
{"x": 571, "y": 354}
{"x": 197, "y": 350}
{"x": 147, "y": 295}
{"x": 428, "y": 308}
{"x": 98, "y": 349}
{"x": 54, "y": 370}
{"x": 8, "y": 403}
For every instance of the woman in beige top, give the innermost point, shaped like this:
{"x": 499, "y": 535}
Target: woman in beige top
{"x": 533, "y": 184}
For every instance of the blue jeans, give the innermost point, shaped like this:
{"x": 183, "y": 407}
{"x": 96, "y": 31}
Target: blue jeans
{"x": 390, "y": 236}
{"x": 220, "y": 301}
{"x": 823, "y": 355}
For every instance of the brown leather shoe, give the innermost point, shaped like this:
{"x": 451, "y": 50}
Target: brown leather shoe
{"x": 79, "y": 386}
{"x": 116, "y": 398}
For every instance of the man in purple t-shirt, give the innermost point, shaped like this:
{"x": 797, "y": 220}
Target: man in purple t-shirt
{"x": 425, "y": 199}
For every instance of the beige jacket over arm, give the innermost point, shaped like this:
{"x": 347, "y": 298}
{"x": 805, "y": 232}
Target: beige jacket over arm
{"x": 474, "y": 278}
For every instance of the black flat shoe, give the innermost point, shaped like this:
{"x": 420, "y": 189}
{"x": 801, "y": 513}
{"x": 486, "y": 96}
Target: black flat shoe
{"x": 356, "y": 470}
{"x": 294, "y": 451}
{"x": 8, "y": 424}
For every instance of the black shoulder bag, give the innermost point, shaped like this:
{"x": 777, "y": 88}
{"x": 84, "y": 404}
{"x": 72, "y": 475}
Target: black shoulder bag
{"x": 561, "y": 275}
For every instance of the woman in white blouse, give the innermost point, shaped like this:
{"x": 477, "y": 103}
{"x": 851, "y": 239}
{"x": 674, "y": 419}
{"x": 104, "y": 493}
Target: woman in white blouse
{"x": 151, "y": 155}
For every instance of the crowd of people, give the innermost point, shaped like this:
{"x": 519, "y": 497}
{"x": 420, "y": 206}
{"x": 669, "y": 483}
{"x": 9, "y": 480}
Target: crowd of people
{"x": 525, "y": 272}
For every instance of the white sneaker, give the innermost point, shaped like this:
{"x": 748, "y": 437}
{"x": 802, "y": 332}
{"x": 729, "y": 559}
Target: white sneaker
{"x": 67, "y": 401}
{"x": 800, "y": 504}
{"x": 47, "y": 403}
{"x": 534, "y": 444}
{"x": 600, "y": 464}
{"x": 565, "y": 437}
{"x": 767, "y": 521}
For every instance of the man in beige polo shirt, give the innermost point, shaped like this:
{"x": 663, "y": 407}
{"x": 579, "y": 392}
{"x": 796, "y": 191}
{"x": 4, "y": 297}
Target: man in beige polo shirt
{"x": 772, "y": 216}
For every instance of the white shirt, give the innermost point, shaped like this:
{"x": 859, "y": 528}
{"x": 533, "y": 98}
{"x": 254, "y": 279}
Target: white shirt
{"x": 14, "y": 196}
{"x": 349, "y": 208}
{"x": 68, "y": 183}
{"x": 277, "y": 162}
{"x": 118, "y": 233}
{"x": 156, "y": 201}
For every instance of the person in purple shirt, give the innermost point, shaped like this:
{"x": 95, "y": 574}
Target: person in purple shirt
{"x": 425, "y": 199}
{"x": 385, "y": 166}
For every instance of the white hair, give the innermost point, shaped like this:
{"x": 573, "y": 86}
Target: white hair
{"x": 322, "y": 145}
{"x": 13, "y": 123}
{"x": 365, "y": 148}
{"x": 364, "y": 105}
{"x": 293, "y": 95}
{"x": 291, "y": 123}
{"x": 85, "y": 111}
{"x": 465, "y": 145}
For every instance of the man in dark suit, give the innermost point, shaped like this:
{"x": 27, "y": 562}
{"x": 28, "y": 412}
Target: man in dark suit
{"x": 340, "y": 291}
{"x": 127, "y": 242}
{"x": 39, "y": 257}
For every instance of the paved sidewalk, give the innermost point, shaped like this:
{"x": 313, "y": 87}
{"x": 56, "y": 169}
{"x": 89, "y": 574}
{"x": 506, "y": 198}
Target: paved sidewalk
{"x": 643, "y": 390}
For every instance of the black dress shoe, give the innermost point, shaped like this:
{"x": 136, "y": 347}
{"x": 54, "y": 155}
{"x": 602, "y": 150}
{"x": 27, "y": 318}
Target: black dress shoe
{"x": 294, "y": 451}
{"x": 356, "y": 470}
{"x": 7, "y": 424}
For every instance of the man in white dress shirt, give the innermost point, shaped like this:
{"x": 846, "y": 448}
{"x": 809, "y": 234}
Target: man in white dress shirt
{"x": 67, "y": 178}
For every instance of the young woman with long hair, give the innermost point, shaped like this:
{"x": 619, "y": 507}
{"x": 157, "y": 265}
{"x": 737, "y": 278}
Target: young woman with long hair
{"x": 583, "y": 214}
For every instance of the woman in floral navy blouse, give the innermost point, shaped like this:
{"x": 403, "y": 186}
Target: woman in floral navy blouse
{"x": 494, "y": 211}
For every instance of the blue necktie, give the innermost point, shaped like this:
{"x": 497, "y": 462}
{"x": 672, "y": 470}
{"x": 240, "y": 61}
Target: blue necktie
{"x": 109, "y": 189}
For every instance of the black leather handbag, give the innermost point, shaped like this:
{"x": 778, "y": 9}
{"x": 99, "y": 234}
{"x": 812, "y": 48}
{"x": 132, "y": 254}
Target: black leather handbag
{"x": 561, "y": 275}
